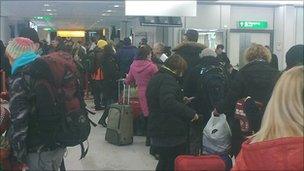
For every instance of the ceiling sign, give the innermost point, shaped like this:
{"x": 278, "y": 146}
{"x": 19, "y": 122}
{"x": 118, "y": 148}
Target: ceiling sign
{"x": 252, "y": 25}
{"x": 161, "y": 8}
{"x": 46, "y": 18}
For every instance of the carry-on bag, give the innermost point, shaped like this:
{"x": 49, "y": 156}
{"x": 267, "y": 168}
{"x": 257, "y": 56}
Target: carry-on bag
{"x": 199, "y": 163}
{"x": 120, "y": 119}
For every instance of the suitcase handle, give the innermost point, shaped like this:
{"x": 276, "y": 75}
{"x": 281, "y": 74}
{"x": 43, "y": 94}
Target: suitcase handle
{"x": 126, "y": 91}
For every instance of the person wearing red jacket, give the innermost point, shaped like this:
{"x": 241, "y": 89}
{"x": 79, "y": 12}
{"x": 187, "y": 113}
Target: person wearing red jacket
{"x": 279, "y": 143}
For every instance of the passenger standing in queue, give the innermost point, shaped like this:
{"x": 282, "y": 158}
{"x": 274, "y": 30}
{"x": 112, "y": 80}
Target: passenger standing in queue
{"x": 159, "y": 56}
{"x": 141, "y": 71}
{"x": 279, "y": 143}
{"x": 189, "y": 49}
{"x": 111, "y": 75}
{"x": 222, "y": 55}
{"x": 274, "y": 59}
{"x": 295, "y": 56}
{"x": 21, "y": 53}
{"x": 257, "y": 80}
{"x": 97, "y": 75}
{"x": 125, "y": 57}
{"x": 169, "y": 116}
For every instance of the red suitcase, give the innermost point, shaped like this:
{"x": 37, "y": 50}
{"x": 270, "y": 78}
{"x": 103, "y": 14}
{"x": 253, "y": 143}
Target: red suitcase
{"x": 199, "y": 163}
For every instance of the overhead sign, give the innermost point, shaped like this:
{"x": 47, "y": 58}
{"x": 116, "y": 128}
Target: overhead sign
{"x": 161, "y": 8}
{"x": 46, "y": 18}
{"x": 252, "y": 24}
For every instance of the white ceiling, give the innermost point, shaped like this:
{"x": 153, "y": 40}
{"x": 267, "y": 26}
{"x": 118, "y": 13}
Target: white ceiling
{"x": 89, "y": 14}
{"x": 67, "y": 14}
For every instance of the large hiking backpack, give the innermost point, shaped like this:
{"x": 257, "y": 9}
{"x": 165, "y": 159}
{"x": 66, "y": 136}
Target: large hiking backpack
{"x": 60, "y": 116}
{"x": 212, "y": 84}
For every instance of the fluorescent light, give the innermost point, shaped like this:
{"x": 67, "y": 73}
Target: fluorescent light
{"x": 65, "y": 33}
{"x": 116, "y": 6}
{"x": 48, "y": 10}
{"x": 50, "y": 14}
{"x": 46, "y": 5}
{"x": 160, "y": 8}
{"x": 109, "y": 10}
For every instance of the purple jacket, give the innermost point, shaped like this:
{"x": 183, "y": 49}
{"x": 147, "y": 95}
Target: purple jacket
{"x": 141, "y": 71}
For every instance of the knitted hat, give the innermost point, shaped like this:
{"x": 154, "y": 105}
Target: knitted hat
{"x": 19, "y": 46}
{"x": 208, "y": 52}
{"x": 295, "y": 56}
{"x": 101, "y": 44}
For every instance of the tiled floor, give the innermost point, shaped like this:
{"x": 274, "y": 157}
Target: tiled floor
{"x": 105, "y": 156}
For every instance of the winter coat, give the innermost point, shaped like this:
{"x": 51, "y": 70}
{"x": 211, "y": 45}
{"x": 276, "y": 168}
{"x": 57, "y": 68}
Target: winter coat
{"x": 256, "y": 79}
{"x": 169, "y": 116}
{"x": 190, "y": 51}
{"x": 141, "y": 71}
{"x": 20, "y": 132}
{"x": 125, "y": 57}
{"x": 277, "y": 154}
{"x": 111, "y": 75}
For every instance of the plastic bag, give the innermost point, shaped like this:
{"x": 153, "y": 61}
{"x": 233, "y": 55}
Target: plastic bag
{"x": 216, "y": 135}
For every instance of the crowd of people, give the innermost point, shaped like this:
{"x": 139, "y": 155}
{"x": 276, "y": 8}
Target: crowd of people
{"x": 178, "y": 94}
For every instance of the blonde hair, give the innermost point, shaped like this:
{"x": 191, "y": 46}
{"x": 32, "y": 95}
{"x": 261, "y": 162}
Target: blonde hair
{"x": 257, "y": 51}
{"x": 284, "y": 113}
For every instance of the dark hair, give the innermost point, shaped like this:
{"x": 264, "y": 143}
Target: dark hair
{"x": 108, "y": 50}
{"x": 192, "y": 35}
{"x": 220, "y": 46}
{"x": 127, "y": 41}
{"x": 30, "y": 33}
{"x": 143, "y": 52}
{"x": 294, "y": 56}
{"x": 176, "y": 63}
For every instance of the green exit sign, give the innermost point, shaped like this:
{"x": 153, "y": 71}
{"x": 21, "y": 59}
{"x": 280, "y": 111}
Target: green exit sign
{"x": 252, "y": 24}
{"x": 46, "y": 18}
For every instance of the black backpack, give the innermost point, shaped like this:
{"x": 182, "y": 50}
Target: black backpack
{"x": 212, "y": 84}
{"x": 60, "y": 115}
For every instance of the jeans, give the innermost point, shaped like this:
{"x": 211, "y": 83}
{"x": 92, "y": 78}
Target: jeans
{"x": 48, "y": 160}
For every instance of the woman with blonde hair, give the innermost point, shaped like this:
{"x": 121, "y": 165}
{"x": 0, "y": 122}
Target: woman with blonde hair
{"x": 257, "y": 80}
{"x": 278, "y": 145}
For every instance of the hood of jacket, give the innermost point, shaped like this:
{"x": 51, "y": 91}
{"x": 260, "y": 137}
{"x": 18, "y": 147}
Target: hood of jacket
{"x": 189, "y": 46}
{"x": 278, "y": 154}
{"x": 23, "y": 60}
{"x": 141, "y": 65}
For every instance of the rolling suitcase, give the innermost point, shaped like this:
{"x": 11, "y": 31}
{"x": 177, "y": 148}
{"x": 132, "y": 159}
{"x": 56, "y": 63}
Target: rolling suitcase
{"x": 199, "y": 163}
{"x": 120, "y": 120}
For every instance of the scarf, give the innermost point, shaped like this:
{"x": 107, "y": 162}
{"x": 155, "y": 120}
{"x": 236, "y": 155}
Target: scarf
{"x": 24, "y": 59}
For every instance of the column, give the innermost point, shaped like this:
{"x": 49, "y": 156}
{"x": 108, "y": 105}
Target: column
{"x": 284, "y": 32}
{"x": 4, "y": 29}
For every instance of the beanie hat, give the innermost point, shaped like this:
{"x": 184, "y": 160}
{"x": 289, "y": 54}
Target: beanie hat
{"x": 192, "y": 35}
{"x": 208, "y": 52}
{"x": 19, "y": 46}
{"x": 101, "y": 44}
{"x": 294, "y": 56}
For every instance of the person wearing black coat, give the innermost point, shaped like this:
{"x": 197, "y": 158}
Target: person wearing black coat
{"x": 256, "y": 79}
{"x": 111, "y": 75}
{"x": 169, "y": 116}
